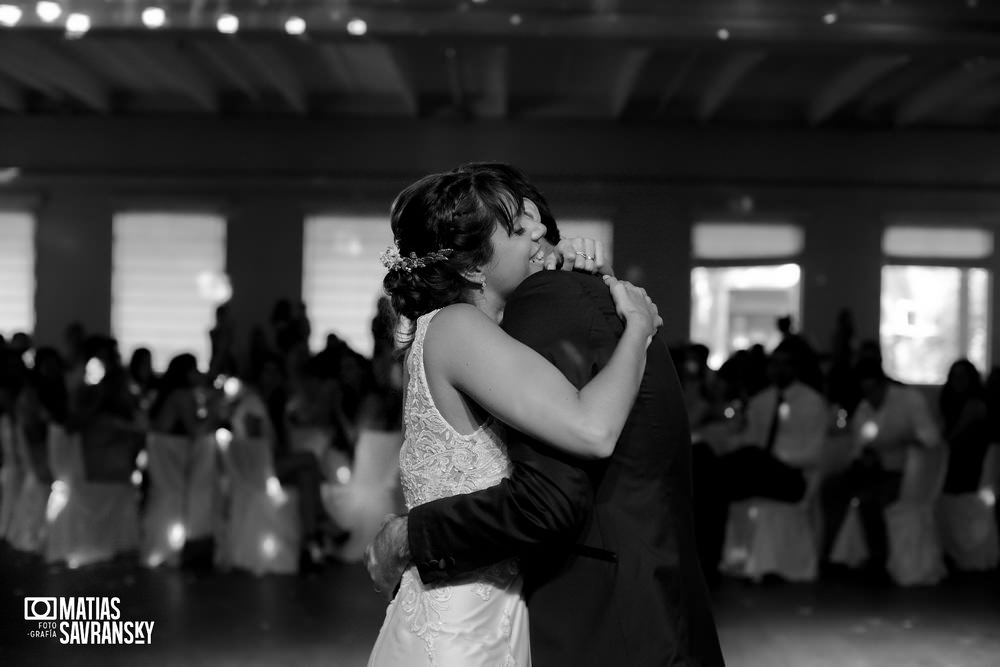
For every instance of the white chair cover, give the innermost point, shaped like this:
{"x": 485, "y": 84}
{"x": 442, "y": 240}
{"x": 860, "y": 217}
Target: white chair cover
{"x": 262, "y": 531}
{"x": 11, "y": 474}
{"x": 372, "y": 492}
{"x": 26, "y": 527}
{"x": 770, "y": 537}
{"x": 766, "y": 536}
{"x": 968, "y": 523}
{"x": 88, "y": 522}
{"x": 181, "y": 504}
{"x": 915, "y": 553}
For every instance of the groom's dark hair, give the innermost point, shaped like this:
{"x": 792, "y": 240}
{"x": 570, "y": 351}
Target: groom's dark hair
{"x": 524, "y": 189}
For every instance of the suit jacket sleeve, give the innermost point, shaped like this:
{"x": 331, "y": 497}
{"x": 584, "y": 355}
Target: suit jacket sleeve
{"x": 548, "y": 496}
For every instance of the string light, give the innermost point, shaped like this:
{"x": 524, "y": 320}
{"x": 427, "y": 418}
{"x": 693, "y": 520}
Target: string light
{"x": 77, "y": 24}
{"x": 515, "y": 19}
{"x": 829, "y": 18}
{"x": 10, "y": 15}
{"x": 154, "y": 17}
{"x": 357, "y": 27}
{"x": 227, "y": 24}
{"x": 48, "y": 11}
{"x": 722, "y": 34}
{"x": 295, "y": 25}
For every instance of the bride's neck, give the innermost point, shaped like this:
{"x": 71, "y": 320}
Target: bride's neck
{"x": 490, "y": 304}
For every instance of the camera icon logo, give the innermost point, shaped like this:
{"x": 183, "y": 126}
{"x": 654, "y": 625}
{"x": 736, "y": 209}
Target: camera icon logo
{"x": 40, "y": 609}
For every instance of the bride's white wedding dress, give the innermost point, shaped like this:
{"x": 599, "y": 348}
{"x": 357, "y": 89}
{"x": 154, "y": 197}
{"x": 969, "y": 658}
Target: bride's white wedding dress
{"x": 480, "y": 619}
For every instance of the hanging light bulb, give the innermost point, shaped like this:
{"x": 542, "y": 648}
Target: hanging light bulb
{"x": 357, "y": 27}
{"x": 228, "y": 24}
{"x": 154, "y": 17}
{"x": 295, "y": 25}
{"x": 77, "y": 24}
{"x": 48, "y": 11}
{"x": 10, "y": 15}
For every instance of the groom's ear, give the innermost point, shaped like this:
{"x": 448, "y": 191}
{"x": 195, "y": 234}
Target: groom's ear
{"x": 531, "y": 210}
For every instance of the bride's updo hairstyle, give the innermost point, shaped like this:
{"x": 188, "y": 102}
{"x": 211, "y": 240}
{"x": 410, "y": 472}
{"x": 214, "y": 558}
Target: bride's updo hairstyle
{"x": 455, "y": 214}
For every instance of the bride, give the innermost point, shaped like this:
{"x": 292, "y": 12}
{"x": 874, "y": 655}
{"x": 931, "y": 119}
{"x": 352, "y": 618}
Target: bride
{"x": 464, "y": 242}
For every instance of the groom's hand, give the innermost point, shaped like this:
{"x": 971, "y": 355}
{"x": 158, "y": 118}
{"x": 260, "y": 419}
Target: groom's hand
{"x": 388, "y": 555}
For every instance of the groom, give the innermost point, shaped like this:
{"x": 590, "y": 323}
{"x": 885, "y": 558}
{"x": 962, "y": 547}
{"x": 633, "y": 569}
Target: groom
{"x": 607, "y": 548}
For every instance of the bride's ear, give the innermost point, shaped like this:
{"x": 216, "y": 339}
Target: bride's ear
{"x": 475, "y": 275}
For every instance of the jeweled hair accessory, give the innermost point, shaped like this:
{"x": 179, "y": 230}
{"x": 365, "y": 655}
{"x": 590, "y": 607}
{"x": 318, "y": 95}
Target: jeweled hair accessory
{"x": 392, "y": 260}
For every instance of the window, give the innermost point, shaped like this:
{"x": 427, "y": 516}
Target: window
{"x": 931, "y": 313}
{"x": 743, "y": 285}
{"x": 167, "y": 278}
{"x": 17, "y": 273}
{"x": 342, "y": 277}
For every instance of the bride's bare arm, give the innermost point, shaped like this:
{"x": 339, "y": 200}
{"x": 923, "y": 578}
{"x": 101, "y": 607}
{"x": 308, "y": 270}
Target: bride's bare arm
{"x": 521, "y": 388}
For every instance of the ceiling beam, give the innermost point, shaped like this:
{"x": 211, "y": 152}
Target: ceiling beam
{"x": 725, "y": 82}
{"x": 11, "y": 97}
{"x": 599, "y": 152}
{"x": 103, "y": 56}
{"x": 884, "y": 27}
{"x": 20, "y": 71}
{"x": 675, "y": 82}
{"x": 946, "y": 90}
{"x": 336, "y": 62}
{"x": 277, "y": 71}
{"x": 60, "y": 71}
{"x": 221, "y": 58}
{"x": 383, "y": 74}
{"x": 850, "y": 83}
{"x": 164, "y": 62}
{"x": 628, "y": 75}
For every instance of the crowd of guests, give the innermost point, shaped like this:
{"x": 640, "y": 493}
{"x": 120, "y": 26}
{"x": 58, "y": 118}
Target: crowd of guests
{"x": 766, "y": 425}
{"x": 87, "y": 389}
{"x": 762, "y": 423}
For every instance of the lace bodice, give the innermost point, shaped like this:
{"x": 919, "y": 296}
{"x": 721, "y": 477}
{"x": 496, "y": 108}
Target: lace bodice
{"x": 435, "y": 460}
{"x": 478, "y": 619}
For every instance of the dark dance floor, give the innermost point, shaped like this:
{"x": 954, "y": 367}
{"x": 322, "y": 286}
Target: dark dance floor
{"x": 331, "y": 619}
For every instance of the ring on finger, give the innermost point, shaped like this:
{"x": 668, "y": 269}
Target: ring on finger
{"x": 585, "y": 255}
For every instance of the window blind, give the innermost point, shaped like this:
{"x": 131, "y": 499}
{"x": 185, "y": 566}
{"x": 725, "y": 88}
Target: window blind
{"x": 168, "y": 276}
{"x": 17, "y": 273}
{"x": 342, "y": 276}
{"x": 714, "y": 240}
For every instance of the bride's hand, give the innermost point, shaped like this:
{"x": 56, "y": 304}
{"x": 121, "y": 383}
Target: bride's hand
{"x": 579, "y": 254}
{"x": 634, "y": 306}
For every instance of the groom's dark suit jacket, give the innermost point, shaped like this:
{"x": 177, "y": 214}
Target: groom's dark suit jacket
{"x": 607, "y": 548}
